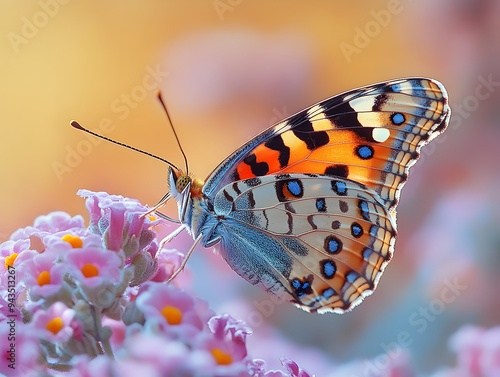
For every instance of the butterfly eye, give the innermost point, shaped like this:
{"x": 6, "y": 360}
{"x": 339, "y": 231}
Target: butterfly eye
{"x": 182, "y": 182}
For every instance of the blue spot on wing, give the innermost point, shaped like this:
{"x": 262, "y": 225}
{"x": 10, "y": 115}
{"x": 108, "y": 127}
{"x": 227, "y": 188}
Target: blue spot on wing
{"x": 328, "y": 268}
{"x": 333, "y": 244}
{"x": 301, "y": 288}
{"x": 328, "y": 292}
{"x": 367, "y": 252}
{"x": 397, "y": 118}
{"x": 339, "y": 187}
{"x": 365, "y": 210}
{"x": 294, "y": 187}
{"x": 351, "y": 277}
{"x": 356, "y": 230}
{"x": 321, "y": 205}
{"x": 365, "y": 152}
{"x": 288, "y": 189}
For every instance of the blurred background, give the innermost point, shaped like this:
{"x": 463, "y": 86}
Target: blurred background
{"x": 227, "y": 70}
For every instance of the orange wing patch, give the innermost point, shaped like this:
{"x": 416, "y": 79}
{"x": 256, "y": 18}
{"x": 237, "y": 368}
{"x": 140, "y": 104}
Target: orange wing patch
{"x": 372, "y": 139}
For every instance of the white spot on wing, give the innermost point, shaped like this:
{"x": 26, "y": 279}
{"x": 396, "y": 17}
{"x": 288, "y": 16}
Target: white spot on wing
{"x": 380, "y": 134}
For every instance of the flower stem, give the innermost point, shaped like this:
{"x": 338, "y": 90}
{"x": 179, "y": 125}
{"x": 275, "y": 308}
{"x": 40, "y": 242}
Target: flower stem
{"x": 101, "y": 337}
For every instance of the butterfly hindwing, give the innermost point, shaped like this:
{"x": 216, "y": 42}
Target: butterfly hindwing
{"x": 318, "y": 241}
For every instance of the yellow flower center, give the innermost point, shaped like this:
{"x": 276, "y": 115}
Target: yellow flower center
{"x": 55, "y": 325}
{"x": 221, "y": 357}
{"x": 43, "y": 278}
{"x": 9, "y": 260}
{"x": 172, "y": 314}
{"x": 74, "y": 241}
{"x": 90, "y": 270}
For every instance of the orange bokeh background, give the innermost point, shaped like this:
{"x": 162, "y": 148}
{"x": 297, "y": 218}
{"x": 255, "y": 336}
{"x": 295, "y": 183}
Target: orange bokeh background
{"x": 81, "y": 59}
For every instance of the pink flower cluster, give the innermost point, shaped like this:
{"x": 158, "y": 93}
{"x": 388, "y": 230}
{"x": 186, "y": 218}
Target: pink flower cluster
{"x": 478, "y": 353}
{"x": 84, "y": 301}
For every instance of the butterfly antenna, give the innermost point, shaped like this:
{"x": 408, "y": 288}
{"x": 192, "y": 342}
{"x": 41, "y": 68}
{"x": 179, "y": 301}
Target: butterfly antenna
{"x": 78, "y": 126}
{"x": 158, "y": 93}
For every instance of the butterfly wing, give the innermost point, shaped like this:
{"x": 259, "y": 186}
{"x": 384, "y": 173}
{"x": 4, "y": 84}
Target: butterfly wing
{"x": 307, "y": 208}
{"x": 370, "y": 135}
{"x": 320, "y": 242}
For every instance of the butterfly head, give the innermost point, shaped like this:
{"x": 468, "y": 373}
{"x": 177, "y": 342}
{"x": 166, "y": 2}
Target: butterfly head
{"x": 181, "y": 183}
{"x": 186, "y": 190}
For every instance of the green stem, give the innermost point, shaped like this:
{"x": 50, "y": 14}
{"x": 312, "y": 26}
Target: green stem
{"x": 104, "y": 341}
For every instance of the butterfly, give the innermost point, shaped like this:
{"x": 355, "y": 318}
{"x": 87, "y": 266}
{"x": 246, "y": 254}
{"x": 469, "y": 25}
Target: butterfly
{"x": 306, "y": 210}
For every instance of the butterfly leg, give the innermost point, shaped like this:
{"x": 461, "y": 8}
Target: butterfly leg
{"x": 186, "y": 257}
{"x": 165, "y": 217}
{"x": 160, "y": 203}
{"x": 171, "y": 236}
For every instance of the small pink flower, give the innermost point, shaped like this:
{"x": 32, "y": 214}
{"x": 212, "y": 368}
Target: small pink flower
{"x": 95, "y": 266}
{"x": 72, "y": 239}
{"x": 122, "y": 225}
{"x": 41, "y": 275}
{"x": 171, "y": 308}
{"x": 168, "y": 262}
{"x": 10, "y": 252}
{"x": 119, "y": 220}
{"x": 225, "y": 359}
{"x": 223, "y": 325}
{"x": 235, "y": 332}
{"x": 99, "y": 273}
{"x": 226, "y": 345}
{"x": 49, "y": 224}
{"x": 56, "y": 323}
{"x": 9, "y": 247}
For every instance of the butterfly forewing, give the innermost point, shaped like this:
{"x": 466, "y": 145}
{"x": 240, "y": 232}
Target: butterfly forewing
{"x": 370, "y": 135}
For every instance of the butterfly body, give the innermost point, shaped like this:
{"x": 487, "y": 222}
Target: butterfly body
{"x": 307, "y": 209}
